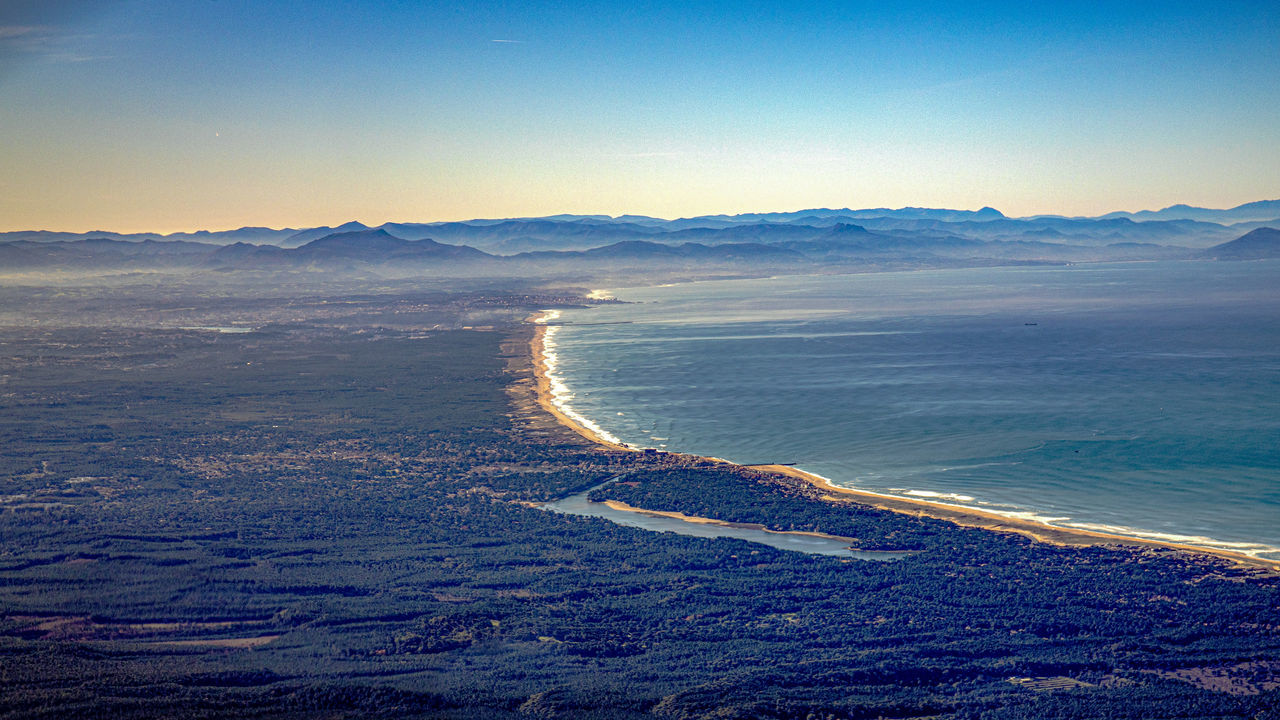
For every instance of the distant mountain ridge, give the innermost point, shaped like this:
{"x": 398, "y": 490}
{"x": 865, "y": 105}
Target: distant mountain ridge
{"x": 257, "y": 235}
{"x": 514, "y": 235}
{"x": 913, "y": 213}
{"x": 343, "y": 250}
{"x": 303, "y": 237}
{"x": 1259, "y": 244}
{"x": 907, "y": 237}
{"x": 1259, "y": 211}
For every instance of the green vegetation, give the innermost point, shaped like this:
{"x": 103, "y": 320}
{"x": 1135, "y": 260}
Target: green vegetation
{"x": 332, "y": 517}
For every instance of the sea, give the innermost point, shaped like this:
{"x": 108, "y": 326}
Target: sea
{"x": 1140, "y": 398}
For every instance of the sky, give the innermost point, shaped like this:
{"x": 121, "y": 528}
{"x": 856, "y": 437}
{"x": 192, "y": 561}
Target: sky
{"x": 164, "y": 116}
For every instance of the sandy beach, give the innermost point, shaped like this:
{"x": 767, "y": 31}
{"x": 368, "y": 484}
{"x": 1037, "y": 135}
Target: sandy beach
{"x": 960, "y": 515}
{"x": 973, "y": 517}
{"x": 545, "y": 398}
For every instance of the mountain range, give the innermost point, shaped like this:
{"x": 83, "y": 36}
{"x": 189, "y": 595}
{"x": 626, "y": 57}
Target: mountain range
{"x": 1257, "y": 244}
{"x": 815, "y": 237}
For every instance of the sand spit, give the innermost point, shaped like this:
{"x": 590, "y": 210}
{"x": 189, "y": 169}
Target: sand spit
{"x": 851, "y": 542}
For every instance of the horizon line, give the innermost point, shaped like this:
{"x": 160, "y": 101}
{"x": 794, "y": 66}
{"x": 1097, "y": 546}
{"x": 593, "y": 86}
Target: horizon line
{"x": 167, "y": 233}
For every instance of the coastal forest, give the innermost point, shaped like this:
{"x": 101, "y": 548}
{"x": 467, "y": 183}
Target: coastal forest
{"x": 325, "y": 502}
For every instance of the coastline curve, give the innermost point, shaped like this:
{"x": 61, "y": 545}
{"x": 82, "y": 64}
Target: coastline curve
{"x": 551, "y": 395}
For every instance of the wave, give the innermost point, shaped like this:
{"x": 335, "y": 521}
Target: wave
{"x": 560, "y": 392}
{"x": 966, "y": 502}
{"x": 1244, "y": 548}
{"x": 1252, "y": 549}
{"x": 939, "y": 495}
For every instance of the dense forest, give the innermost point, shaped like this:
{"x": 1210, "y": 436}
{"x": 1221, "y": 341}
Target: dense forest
{"x": 336, "y": 514}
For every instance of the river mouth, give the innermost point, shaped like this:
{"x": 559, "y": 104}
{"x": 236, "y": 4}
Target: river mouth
{"x": 808, "y": 543}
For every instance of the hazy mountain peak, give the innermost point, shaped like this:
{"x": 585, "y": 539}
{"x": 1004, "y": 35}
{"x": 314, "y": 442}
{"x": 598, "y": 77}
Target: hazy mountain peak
{"x": 1262, "y": 210}
{"x": 1264, "y": 242}
{"x": 365, "y": 239}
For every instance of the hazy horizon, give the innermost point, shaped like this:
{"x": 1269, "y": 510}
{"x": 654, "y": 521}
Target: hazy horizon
{"x": 494, "y": 218}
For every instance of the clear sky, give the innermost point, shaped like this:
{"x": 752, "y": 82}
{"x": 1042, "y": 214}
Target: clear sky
{"x": 135, "y": 115}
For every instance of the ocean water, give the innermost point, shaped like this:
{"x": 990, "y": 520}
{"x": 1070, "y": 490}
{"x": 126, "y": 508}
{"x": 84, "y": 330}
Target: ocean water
{"x": 1136, "y": 398}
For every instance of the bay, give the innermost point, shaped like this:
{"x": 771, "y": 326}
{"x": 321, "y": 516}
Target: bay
{"x": 1137, "y": 398}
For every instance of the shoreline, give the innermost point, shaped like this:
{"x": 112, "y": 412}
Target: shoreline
{"x": 958, "y": 514}
{"x": 976, "y": 518}
{"x": 542, "y": 387}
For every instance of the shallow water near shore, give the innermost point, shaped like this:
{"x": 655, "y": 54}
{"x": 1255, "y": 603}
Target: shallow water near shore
{"x": 1142, "y": 399}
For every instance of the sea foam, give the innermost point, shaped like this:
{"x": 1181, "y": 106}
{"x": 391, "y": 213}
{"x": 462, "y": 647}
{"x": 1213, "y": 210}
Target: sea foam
{"x": 560, "y": 392}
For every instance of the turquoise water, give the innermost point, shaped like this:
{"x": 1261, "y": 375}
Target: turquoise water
{"x": 1139, "y": 398}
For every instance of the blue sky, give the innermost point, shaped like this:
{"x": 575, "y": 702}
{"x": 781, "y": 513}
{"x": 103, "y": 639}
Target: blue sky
{"x": 143, "y": 115}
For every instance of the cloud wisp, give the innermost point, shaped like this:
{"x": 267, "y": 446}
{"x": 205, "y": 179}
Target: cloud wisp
{"x": 44, "y": 42}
